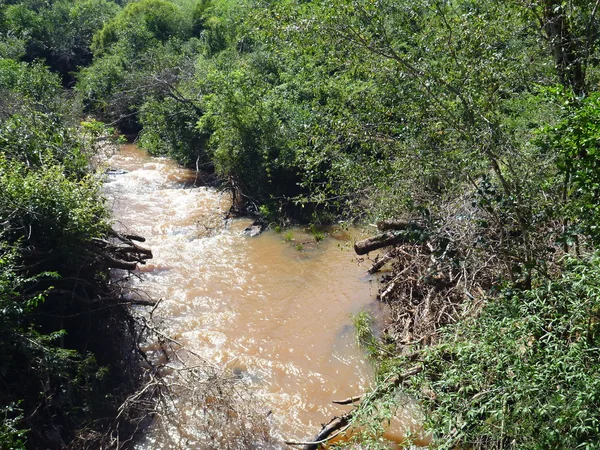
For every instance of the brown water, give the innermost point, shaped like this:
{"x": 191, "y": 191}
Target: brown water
{"x": 279, "y": 315}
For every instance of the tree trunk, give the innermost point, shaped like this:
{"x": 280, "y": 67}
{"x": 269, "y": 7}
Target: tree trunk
{"x": 565, "y": 50}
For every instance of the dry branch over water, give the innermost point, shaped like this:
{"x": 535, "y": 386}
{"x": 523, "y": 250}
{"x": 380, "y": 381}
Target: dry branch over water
{"x": 189, "y": 402}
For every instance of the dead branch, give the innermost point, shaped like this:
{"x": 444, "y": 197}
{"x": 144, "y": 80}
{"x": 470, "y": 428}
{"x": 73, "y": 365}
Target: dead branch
{"x": 394, "y": 224}
{"x": 380, "y": 262}
{"x": 348, "y": 401}
{"x": 341, "y": 424}
{"x": 123, "y": 254}
{"x": 432, "y": 270}
{"x": 334, "y": 428}
{"x": 114, "y": 263}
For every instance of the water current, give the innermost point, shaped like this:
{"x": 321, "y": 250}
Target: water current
{"x": 269, "y": 308}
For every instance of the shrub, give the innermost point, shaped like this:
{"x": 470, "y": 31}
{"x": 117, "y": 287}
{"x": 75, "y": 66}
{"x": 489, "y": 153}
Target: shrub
{"x": 524, "y": 373}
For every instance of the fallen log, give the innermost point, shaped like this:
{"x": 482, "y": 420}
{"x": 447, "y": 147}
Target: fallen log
{"x": 335, "y": 427}
{"x": 412, "y": 232}
{"x": 381, "y": 240}
{"x": 134, "y": 249}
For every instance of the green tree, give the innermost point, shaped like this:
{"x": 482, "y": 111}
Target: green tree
{"x": 52, "y": 383}
{"x": 141, "y": 25}
{"x": 59, "y": 32}
{"x": 575, "y": 140}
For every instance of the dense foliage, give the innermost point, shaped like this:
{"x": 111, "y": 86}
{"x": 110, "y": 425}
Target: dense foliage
{"x": 521, "y": 374}
{"x": 60, "y": 32}
{"x": 479, "y": 121}
{"x": 345, "y": 108}
{"x": 524, "y": 374}
{"x": 62, "y": 347}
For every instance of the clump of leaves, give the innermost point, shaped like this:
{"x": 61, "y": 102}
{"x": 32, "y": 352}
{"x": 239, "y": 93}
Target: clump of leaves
{"x": 12, "y": 435}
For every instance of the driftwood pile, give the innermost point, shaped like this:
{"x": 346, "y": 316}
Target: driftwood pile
{"x": 428, "y": 284}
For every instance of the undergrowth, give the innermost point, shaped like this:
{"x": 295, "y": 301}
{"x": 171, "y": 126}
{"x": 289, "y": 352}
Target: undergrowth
{"x": 524, "y": 373}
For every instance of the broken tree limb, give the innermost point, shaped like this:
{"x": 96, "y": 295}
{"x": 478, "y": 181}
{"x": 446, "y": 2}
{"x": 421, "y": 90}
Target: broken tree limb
{"x": 140, "y": 252}
{"x": 121, "y": 252}
{"x": 393, "y": 224}
{"x": 399, "y": 379}
{"x": 335, "y": 427}
{"x": 411, "y": 233}
{"x": 380, "y": 262}
{"x": 127, "y": 238}
{"x": 115, "y": 263}
{"x": 135, "y": 237}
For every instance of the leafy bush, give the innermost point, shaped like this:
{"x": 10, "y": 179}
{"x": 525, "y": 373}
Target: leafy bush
{"x": 169, "y": 128}
{"x": 56, "y": 212}
{"x": 48, "y": 222}
{"x": 523, "y": 374}
{"x": 139, "y": 55}
{"x": 32, "y": 81}
{"x": 141, "y": 24}
{"x": 11, "y": 435}
{"x": 35, "y": 126}
{"x": 52, "y": 341}
{"x": 576, "y": 140}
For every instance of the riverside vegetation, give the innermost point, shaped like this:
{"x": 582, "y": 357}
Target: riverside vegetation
{"x": 66, "y": 337}
{"x": 476, "y": 124}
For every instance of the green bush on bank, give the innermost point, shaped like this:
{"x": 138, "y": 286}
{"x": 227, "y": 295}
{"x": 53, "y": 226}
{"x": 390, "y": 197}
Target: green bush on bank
{"x": 31, "y": 80}
{"x": 522, "y": 374}
{"x": 54, "y": 213}
{"x": 36, "y": 125}
{"x": 55, "y": 350}
{"x": 176, "y": 135}
{"x": 139, "y": 56}
{"x": 49, "y": 390}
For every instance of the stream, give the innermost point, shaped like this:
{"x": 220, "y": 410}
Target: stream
{"x": 275, "y": 308}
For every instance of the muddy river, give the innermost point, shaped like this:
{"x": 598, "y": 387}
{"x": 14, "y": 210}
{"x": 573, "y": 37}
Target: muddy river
{"x": 275, "y": 307}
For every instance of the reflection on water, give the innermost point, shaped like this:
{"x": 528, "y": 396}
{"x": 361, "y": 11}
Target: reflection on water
{"x": 278, "y": 316}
